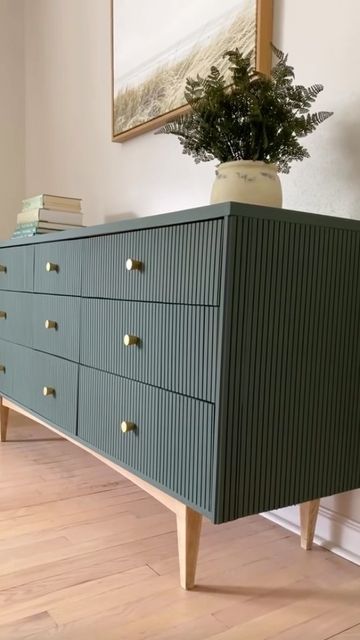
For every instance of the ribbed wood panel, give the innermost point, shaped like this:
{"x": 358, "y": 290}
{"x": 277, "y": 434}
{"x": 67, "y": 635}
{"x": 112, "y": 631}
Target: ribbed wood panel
{"x": 180, "y": 264}
{"x": 177, "y": 348}
{"x": 63, "y": 341}
{"x": 173, "y": 442}
{"x": 19, "y": 263}
{"x": 17, "y": 324}
{"x": 42, "y": 370}
{"x": 28, "y": 371}
{"x": 290, "y": 404}
{"x": 10, "y": 379}
{"x": 68, "y": 256}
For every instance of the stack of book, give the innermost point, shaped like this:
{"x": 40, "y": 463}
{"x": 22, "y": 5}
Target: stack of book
{"x": 46, "y": 213}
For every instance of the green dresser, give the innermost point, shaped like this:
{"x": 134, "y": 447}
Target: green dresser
{"x": 214, "y": 353}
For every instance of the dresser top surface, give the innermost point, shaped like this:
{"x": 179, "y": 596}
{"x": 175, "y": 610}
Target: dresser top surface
{"x": 209, "y": 212}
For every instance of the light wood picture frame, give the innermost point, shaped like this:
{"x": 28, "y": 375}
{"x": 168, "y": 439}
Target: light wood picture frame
{"x": 156, "y": 45}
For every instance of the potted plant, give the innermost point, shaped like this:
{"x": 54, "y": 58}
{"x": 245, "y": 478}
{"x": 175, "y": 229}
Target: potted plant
{"x": 251, "y": 123}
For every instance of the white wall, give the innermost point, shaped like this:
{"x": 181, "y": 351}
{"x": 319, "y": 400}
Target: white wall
{"x": 12, "y": 113}
{"x": 69, "y": 148}
{"x": 68, "y": 123}
{"x": 322, "y": 42}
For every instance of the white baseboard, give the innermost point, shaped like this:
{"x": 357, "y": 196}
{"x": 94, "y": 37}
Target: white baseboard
{"x": 334, "y": 532}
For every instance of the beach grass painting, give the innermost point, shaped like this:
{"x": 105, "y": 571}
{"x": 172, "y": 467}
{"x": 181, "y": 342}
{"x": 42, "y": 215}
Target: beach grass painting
{"x": 159, "y": 43}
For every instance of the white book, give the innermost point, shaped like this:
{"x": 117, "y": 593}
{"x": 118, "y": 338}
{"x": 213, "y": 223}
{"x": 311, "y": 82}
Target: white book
{"x": 47, "y": 201}
{"x": 56, "y": 225}
{"x": 49, "y": 215}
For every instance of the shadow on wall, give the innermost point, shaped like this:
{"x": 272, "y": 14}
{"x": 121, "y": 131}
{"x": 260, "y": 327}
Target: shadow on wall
{"x": 348, "y": 143}
{"x": 346, "y": 505}
{"x": 116, "y": 217}
{"x": 343, "y": 523}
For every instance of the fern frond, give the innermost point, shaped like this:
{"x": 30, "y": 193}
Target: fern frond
{"x": 320, "y": 116}
{"x": 314, "y": 90}
{"x": 257, "y": 117}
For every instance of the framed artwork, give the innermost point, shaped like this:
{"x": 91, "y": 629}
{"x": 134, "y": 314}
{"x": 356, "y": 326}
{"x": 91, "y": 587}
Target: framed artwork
{"x": 157, "y": 44}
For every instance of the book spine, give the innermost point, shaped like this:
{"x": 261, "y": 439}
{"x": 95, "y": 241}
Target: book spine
{"x": 23, "y": 234}
{"x": 32, "y": 203}
{"x": 25, "y": 226}
{"x": 31, "y": 215}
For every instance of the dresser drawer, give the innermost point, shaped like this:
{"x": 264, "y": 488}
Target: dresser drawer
{"x": 175, "y": 264}
{"x": 59, "y": 379}
{"x": 17, "y": 380}
{"x": 26, "y": 374}
{"x": 15, "y": 317}
{"x": 58, "y": 267}
{"x": 172, "y": 444}
{"x": 176, "y": 345}
{"x": 56, "y": 325}
{"x": 11, "y": 377}
{"x": 17, "y": 268}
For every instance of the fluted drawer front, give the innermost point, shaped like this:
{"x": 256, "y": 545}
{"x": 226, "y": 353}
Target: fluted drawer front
{"x": 170, "y": 264}
{"x": 12, "y": 379}
{"x": 58, "y": 267}
{"x": 15, "y": 317}
{"x": 58, "y": 379}
{"x": 171, "y": 443}
{"x": 56, "y": 325}
{"x": 17, "y": 268}
{"x": 173, "y": 346}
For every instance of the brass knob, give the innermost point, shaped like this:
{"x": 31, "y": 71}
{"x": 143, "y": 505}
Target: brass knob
{"x": 50, "y": 324}
{"x": 127, "y": 426}
{"x": 3, "y": 269}
{"x": 2, "y": 368}
{"x": 51, "y": 266}
{"x": 133, "y": 265}
{"x": 3, "y": 315}
{"x": 48, "y": 391}
{"x": 129, "y": 340}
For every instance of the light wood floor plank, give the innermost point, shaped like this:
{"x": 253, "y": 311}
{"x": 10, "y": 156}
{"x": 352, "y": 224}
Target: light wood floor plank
{"x": 87, "y": 555}
{"x": 350, "y": 634}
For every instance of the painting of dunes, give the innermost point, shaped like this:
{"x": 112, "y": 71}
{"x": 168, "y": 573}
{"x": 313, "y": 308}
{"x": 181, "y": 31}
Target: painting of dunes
{"x": 159, "y": 43}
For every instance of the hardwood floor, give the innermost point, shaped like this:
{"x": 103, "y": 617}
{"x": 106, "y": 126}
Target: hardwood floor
{"x": 87, "y": 555}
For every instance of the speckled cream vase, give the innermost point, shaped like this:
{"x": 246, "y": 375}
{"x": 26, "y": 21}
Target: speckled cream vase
{"x": 247, "y": 181}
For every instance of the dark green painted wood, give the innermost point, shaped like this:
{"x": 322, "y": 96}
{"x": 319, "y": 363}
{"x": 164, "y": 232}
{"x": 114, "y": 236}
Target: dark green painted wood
{"x": 26, "y": 373}
{"x": 288, "y": 426}
{"x": 18, "y": 381}
{"x": 285, "y": 375}
{"x": 67, "y": 280}
{"x": 19, "y": 264}
{"x": 11, "y": 383}
{"x": 180, "y": 265}
{"x": 63, "y": 341}
{"x": 177, "y": 349}
{"x": 39, "y": 370}
{"x": 172, "y": 444}
{"x": 16, "y": 326}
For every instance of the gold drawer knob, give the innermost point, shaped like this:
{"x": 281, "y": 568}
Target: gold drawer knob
{"x": 51, "y": 266}
{"x": 3, "y": 315}
{"x": 2, "y": 368}
{"x": 3, "y": 268}
{"x": 129, "y": 340}
{"x": 50, "y": 324}
{"x": 133, "y": 265}
{"x": 48, "y": 391}
{"x": 127, "y": 426}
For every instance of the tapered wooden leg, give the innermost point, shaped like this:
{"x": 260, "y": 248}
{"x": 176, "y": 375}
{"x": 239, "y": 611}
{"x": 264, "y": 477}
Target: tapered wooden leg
{"x": 308, "y": 516}
{"x": 4, "y": 417}
{"x": 188, "y": 532}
